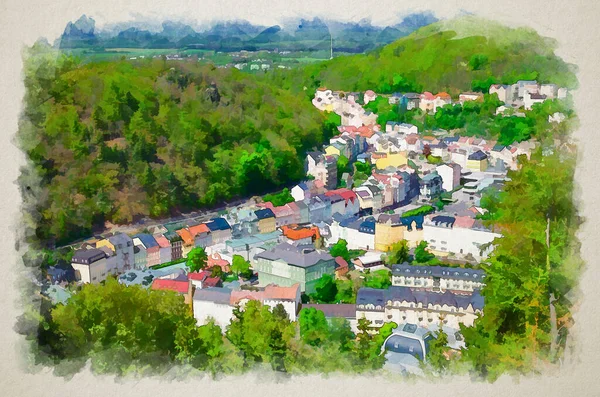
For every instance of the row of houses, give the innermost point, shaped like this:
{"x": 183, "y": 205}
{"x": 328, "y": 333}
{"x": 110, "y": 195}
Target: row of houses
{"x": 526, "y": 93}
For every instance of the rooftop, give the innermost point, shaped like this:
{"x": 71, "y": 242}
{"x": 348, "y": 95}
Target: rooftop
{"x": 296, "y": 256}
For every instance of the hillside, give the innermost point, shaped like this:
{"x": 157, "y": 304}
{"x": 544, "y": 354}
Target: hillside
{"x": 461, "y": 54}
{"x": 114, "y": 141}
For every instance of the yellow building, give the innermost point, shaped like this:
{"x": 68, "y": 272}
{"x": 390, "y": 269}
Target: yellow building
{"x": 333, "y": 151}
{"x": 105, "y": 243}
{"x": 391, "y": 160}
{"x": 266, "y": 220}
{"x": 390, "y": 229}
{"x": 477, "y": 161}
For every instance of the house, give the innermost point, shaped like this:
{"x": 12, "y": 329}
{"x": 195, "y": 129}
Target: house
{"x": 450, "y": 174}
{"x": 431, "y": 186}
{"x": 218, "y": 303}
{"x": 266, "y": 220}
{"x": 335, "y": 310}
{"x": 369, "y": 96}
{"x": 319, "y": 209}
{"x": 92, "y": 266}
{"x": 122, "y": 245}
{"x": 423, "y": 308}
{"x": 322, "y": 168}
{"x": 182, "y": 287}
{"x": 458, "y": 236}
{"x": 148, "y": 251}
{"x": 390, "y": 229}
{"x": 341, "y": 267}
{"x": 300, "y": 192}
{"x": 343, "y": 201}
{"x": 187, "y": 241}
{"x": 438, "y": 278}
{"x": 297, "y": 234}
{"x": 204, "y": 279}
{"x": 288, "y": 264}
{"x": 176, "y": 245}
{"x": 215, "y": 259}
{"x": 164, "y": 248}
{"x": 395, "y": 160}
{"x": 549, "y": 90}
{"x": 477, "y": 161}
{"x": 470, "y": 96}
{"x": 406, "y": 349}
{"x": 202, "y": 235}
{"x": 531, "y": 98}
{"x": 371, "y": 260}
{"x": 522, "y": 87}
{"x": 358, "y": 233}
{"x": 504, "y": 92}
{"x": 219, "y": 229}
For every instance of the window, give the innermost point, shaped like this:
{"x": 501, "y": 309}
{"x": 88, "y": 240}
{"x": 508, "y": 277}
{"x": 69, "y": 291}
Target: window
{"x": 443, "y": 242}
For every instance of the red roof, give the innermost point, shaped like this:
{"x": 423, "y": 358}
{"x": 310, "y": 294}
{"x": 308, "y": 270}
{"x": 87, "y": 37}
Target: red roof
{"x": 213, "y": 282}
{"x": 464, "y": 222}
{"x": 345, "y": 193}
{"x": 162, "y": 241}
{"x": 172, "y": 285}
{"x": 365, "y": 131}
{"x": 340, "y": 263}
{"x": 270, "y": 292}
{"x": 199, "y": 276}
{"x": 195, "y": 230}
{"x": 427, "y": 96}
{"x": 216, "y": 260}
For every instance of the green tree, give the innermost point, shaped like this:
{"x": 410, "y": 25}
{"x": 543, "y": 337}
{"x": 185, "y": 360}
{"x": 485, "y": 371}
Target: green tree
{"x": 314, "y": 329}
{"x": 240, "y": 266}
{"x": 437, "y": 350}
{"x": 326, "y": 289}
{"x": 422, "y": 255}
{"x": 340, "y": 249}
{"x": 399, "y": 253}
{"x": 196, "y": 259}
{"x": 380, "y": 279}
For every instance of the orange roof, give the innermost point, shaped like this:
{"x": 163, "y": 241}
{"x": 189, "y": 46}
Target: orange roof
{"x": 346, "y": 194}
{"x": 195, "y": 230}
{"x": 171, "y": 285}
{"x": 186, "y": 236}
{"x": 295, "y": 232}
{"x": 271, "y": 292}
{"x": 443, "y": 95}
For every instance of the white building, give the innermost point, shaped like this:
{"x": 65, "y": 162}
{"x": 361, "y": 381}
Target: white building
{"x": 93, "y": 265}
{"x": 424, "y": 308}
{"x": 461, "y": 237}
{"x": 218, "y": 303}
{"x": 531, "y": 98}
{"x": 450, "y": 174}
{"x": 359, "y": 233}
{"x": 438, "y": 278}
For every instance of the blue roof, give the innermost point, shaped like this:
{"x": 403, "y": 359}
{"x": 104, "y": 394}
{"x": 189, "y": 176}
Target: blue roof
{"x": 367, "y": 227}
{"x": 449, "y": 139}
{"x": 303, "y": 186}
{"x": 147, "y": 240}
{"x": 408, "y": 221}
{"x": 264, "y": 213}
{"x": 218, "y": 224}
{"x": 498, "y": 148}
{"x": 478, "y": 155}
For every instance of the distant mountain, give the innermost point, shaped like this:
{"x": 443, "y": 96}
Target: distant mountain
{"x": 302, "y": 35}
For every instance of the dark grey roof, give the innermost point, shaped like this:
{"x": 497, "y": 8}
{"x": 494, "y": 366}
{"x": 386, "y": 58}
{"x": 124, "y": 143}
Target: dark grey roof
{"x": 443, "y": 220}
{"x": 456, "y": 273}
{"x": 478, "y": 155}
{"x": 397, "y": 293}
{"x": 88, "y": 256}
{"x": 120, "y": 238}
{"x": 296, "y": 255}
{"x": 213, "y": 294}
{"x": 265, "y": 213}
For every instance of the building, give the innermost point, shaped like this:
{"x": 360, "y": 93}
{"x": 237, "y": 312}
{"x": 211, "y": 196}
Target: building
{"x": 531, "y": 98}
{"x": 204, "y": 279}
{"x": 358, "y": 233}
{"x": 369, "y": 96}
{"x": 438, "y": 278}
{"x": 266, "y": 220}
{"x": 92, "y": 266}
{"x": 395, "y": 160}
{"x": 218, "y": 303}
{"x": 300, "y": 192}
{"x": 182, "y": 287}
{"x": 176, "y": 245}
{"x": 504, "y": 92}
{"x": 470, "y": 96}
{"x": 341, "y": 267}
{"x": 458, "y": 236}
{"x": 477, "y": 161}
{"x": 431, "y": 186}
{"x": 219, "y": 229}
{"x": 323, "y": 168}
{"x": 287, "y": 264}
{"x": 249, "y": 246}
{"x": 164, "y": 248}
{"x": 369, "y": 261}
{"x": 202, "y": 235}
{"x": 122, "y": 245}
{"x": 408, "y": 340}
{"x": 420, "y": 307}
{"x": 450, "y": 174}
{"x": 391, "y": 229}
{"x": 297, "y": 234}
{"x": 188, "y": 241}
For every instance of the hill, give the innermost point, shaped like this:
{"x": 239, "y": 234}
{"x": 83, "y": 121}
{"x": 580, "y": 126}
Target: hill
{"x": 115, "y": 141}
{"x": 456, "y": 55}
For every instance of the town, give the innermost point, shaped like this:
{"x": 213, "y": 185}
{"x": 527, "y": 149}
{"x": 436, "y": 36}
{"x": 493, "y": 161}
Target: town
{"x": 375, "y": 199}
